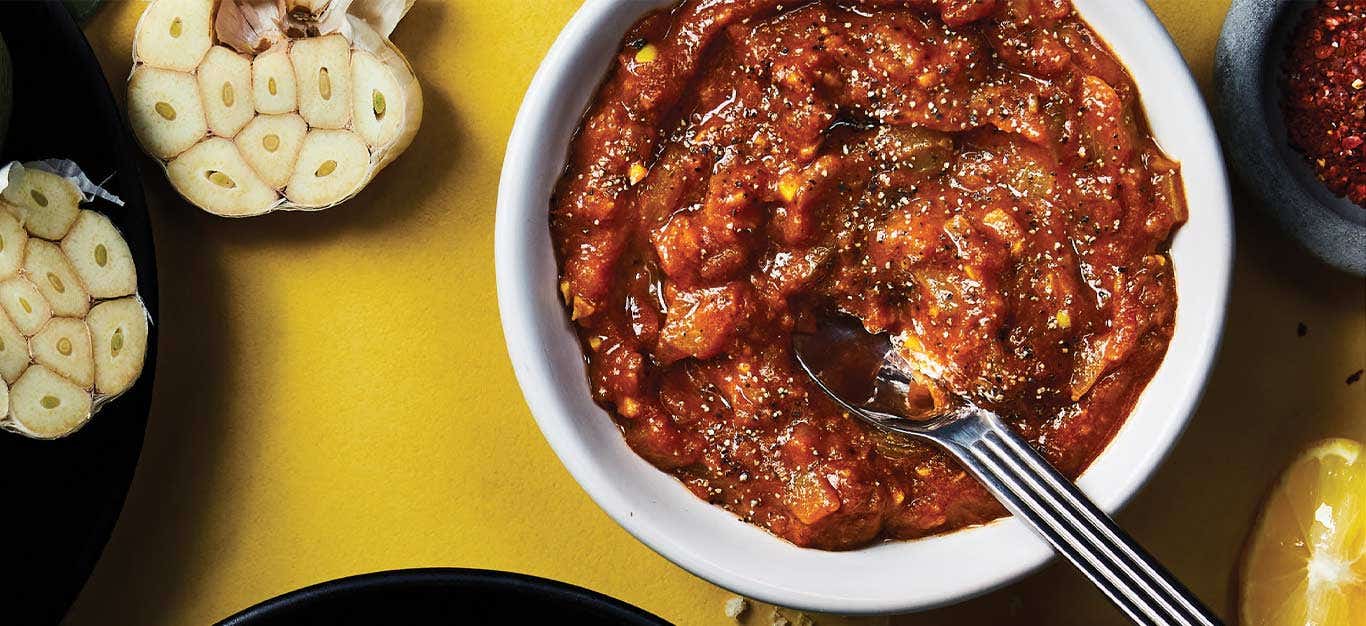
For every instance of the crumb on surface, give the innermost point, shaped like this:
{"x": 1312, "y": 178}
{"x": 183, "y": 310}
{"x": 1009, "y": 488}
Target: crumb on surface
{"x": 1301, "y": 330}
{"x": 735, "y": 607}
{"x": 1354, "y": 377}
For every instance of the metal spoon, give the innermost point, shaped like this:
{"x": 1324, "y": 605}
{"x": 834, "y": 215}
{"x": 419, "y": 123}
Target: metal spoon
{"x": 862, "y": 373}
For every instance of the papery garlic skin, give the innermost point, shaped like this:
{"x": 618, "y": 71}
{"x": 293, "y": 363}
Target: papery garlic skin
{"x": 328, "y": 64}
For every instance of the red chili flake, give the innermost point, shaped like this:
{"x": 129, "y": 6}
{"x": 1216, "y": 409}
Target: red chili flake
{"x": 1325, "y": 94}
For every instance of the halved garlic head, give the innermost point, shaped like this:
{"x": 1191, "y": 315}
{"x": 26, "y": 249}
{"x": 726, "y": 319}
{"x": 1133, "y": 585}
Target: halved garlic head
{"x": 45, "y": 405}
{"x": 48, "y": 270}
{"x": 270, "y": 144}
{"x": 118, "y": 332}
{"x": 175, "y": 34}
{"x": 378, "y": 104}
{"x": 272, "y": 82}
{"x": 332, "y": 166}
{"x": 63, "y": 346}
{"x": 25, "y": 305}
{"x": 13, "y": 238}
{"x": 57, "y": 269}
{"x": 165, "y": 111}
{"x": 322, "y": 66}
{"x": 14, "y": 356}
{"x": 225, "y": 87}
{"x": 214, "y": 175}
{"x": 99, "y": 256}
{"x": 273, "y": 73}
{"x": 47, "y": 203}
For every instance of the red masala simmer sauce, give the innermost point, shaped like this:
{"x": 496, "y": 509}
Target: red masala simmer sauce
{"x": 1325, "y": 94}
{"x": 974, "y": 177}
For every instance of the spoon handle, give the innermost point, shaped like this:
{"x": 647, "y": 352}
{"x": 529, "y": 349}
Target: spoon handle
{"x": 1036, "y": 493}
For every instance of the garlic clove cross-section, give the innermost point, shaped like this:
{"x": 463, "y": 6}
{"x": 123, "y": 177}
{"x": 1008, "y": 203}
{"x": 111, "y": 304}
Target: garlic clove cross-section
{"x": 332, "y": 165}
{"x": 47, "y": 203}
{"x": 118, "y": 333}
{"x": 100, "y": 256}
{"x": 63, "y": 346}
{"x": 273, "y": 86}
{"x": 165, "y": 111}
{"x": 47, "y": 268}
{"x": 13, "y": 238}
{"x": 214, "y": 175}
{"x": 225, "y": 87}
{"x": 378, "y": 103}
{"x": 24, "y": 304}
{"x": 270, "y": 144}
{"x": 322, "y": 66}
{"x": 44, "y": 405}
{"x": 14, "y": 356}
{"x": 175, "y": 34}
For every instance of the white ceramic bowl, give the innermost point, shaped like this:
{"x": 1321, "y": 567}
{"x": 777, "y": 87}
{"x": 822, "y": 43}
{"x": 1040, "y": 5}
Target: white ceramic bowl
{"x": 708, "y": 541}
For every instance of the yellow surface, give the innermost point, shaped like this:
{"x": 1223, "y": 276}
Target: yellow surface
{"x": 333, "y": 395}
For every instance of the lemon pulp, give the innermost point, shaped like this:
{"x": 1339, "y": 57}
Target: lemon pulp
{"x": 1305, "y": 562}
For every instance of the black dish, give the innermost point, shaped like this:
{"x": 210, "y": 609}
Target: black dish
{"x": 441, "y": 596}
{"x": 61, "y": 498}
{"x": 1247, "y": 69}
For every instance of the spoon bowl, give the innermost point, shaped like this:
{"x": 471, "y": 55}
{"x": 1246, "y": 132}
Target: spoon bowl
{"x": 1002, "y": 461}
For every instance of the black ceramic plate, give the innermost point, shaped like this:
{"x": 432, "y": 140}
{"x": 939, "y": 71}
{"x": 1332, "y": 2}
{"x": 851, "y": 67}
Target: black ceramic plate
{"x": 441, "y": 596}
{"x": 1247, "y": 70}
{"x": 60, "y": 498}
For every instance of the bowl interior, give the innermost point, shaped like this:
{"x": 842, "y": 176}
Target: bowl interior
{"x": 888, "y": 577}
{"x": 1247, "y": 64}
{"x": 1286, "y": 17}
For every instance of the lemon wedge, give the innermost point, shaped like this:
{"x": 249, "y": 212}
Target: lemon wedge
{"x": 1305, "y": 562}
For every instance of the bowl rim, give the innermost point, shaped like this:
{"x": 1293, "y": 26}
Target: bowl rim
{"x": 1001, "y": 551}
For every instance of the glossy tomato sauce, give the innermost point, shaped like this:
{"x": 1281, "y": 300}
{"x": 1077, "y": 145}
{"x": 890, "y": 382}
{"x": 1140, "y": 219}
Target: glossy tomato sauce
{"x": 974, "y": 177}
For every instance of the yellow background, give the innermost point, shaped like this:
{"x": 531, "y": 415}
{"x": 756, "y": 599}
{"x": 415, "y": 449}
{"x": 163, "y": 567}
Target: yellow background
{"x": 333, "y": 395}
